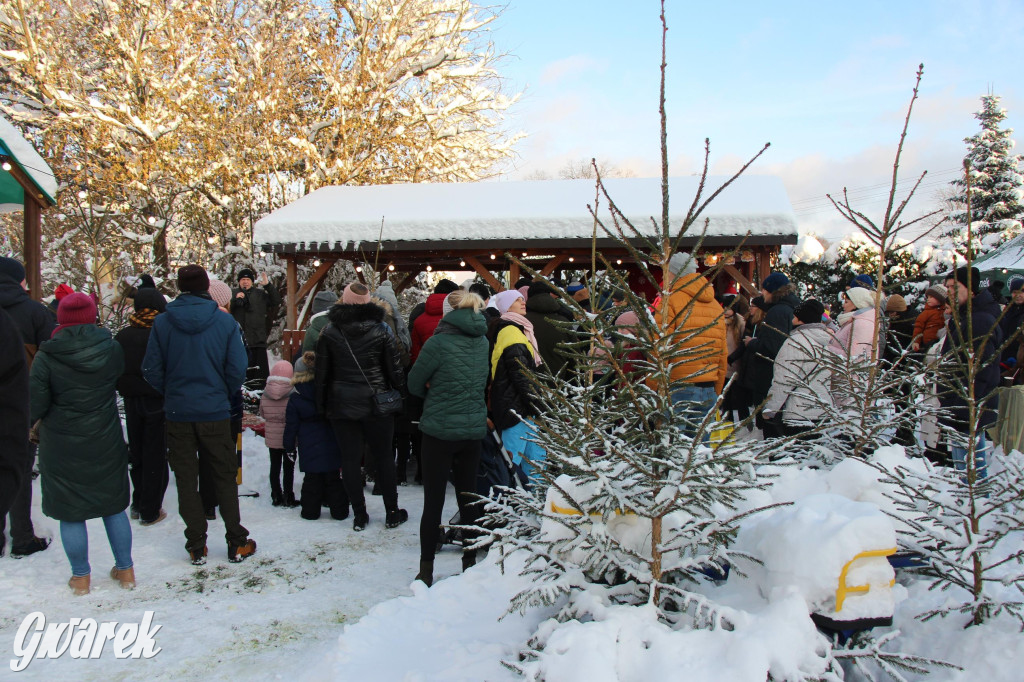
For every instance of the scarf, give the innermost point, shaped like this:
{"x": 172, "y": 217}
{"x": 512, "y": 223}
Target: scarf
{"x": 143, "y": 318}
{"x": 528, "y": 330}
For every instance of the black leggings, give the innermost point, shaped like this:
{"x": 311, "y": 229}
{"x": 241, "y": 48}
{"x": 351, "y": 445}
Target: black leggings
{"x": 376, "y": 433}
{"x": 461, "y": 458}
{"x": 277, "y": 459}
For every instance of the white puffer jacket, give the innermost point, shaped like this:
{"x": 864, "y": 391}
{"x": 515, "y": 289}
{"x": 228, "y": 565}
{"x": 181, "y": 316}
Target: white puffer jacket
{"x": 801, "y": 382}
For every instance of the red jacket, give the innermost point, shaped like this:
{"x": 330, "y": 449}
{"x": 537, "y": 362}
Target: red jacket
{"x": 424, "y": 326}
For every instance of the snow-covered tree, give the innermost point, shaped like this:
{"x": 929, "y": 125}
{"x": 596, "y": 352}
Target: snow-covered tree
{"x": 173, "y": 126}
{"x": 997, "y": 185}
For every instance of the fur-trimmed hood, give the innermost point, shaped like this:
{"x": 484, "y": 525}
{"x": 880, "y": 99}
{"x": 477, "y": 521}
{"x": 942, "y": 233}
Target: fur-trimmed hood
{"x": 361, "y": 314}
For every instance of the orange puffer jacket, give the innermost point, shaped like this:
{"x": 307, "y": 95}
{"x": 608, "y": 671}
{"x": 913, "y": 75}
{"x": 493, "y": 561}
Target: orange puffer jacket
{"x": 927, "y": 326}
{"x": 709, "y": 346}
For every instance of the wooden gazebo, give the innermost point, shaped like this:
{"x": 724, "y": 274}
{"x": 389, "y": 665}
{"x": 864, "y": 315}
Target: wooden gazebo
{"x": 26, "y": 184}
{"x": 414, "y": 228}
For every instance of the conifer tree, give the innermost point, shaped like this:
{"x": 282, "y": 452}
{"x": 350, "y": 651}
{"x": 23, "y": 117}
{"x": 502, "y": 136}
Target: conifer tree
{"x": 997, "y": 186}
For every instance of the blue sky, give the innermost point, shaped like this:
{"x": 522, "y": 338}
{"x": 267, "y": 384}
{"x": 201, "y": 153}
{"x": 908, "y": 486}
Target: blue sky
{"x": 826, "y": 83}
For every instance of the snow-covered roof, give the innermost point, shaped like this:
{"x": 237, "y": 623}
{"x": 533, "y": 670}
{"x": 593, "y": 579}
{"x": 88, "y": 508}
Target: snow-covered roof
{"x": 340, "y": 218}
{"x": 1009, "y": 256}
{"x": 24, "y": 154}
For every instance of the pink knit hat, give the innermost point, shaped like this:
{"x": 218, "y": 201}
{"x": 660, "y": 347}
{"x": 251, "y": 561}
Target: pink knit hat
{"x": 351, "y": 297}
{"x": 75, "y": 309}
{"x": 220, "y": 293}
{"x": 282, "y": 368}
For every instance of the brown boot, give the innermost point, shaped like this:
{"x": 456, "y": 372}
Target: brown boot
{"x": 426, "y": 574}
{"x": 79, "y": 585}
{"x": 125, "y": 576}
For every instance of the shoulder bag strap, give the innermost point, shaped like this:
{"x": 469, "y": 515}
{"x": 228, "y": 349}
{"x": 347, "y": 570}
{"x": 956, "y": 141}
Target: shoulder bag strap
{"x": 355, "y": 359}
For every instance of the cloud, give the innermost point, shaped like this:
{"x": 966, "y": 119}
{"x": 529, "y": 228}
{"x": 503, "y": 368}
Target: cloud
{"x": 559, "y": 70}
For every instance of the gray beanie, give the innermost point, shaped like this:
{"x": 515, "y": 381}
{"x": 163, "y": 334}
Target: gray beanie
{"x": 682, "y": 264}
{"x": 323, "y": 301}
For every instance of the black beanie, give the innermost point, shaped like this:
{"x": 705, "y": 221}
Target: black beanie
{"x": 961, "y": 274}
{"x": 192, "y": 279}
{"x": 149, "y": 297}
{"x": 445, "y": 286}
{"x": 145, "y": 282}
{"x": 810, "y": 311}
{"x": 246, "y": 272}
{"x": 539, "y": 288}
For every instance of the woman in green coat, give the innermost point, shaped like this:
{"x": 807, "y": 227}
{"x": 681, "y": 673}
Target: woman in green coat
{"x": 83, "y": 460}
{"x": 450, "y": 373}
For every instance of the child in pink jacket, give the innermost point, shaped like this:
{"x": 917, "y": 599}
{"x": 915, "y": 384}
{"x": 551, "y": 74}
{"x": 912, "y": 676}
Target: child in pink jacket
{"x": 274, "y": 409}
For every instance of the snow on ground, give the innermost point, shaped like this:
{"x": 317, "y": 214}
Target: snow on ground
{"x": 320, "y": 602}
{"x": 258, "y": 619}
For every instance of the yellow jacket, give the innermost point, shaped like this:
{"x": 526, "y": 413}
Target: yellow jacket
{"x": 697, "y": 327}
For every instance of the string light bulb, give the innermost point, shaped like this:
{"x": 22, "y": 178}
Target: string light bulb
{"x": 6, "y": 165}
{"x": 316, "y": 263}
{"x": 82, "y": 194}
{"x": 571, "y": 259}
{"x": 462, "y": 263}
{"x": 618, "y": 261}
{"x": 211, "y": 239}
{"x": 492, "y": 256}
{"x": 429, "y": 269}
{"x": 391, "y": 268}
{"x": 151, "y": 220}
{"x": 359, "y": 268}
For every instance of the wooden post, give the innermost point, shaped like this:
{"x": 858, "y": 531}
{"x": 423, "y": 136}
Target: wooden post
{"x": 485, "y": 274}
{"x": 740, "y": 279}
{"x": 33, "y": 249}
{"x": 513, "y": 273}
{"x": 409, "y": 279}
{"x": 292, "y": 298}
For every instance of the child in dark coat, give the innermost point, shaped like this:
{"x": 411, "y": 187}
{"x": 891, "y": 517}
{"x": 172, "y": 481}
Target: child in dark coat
{"x": 319, "y": 456}
{"x": 273, "y": 408}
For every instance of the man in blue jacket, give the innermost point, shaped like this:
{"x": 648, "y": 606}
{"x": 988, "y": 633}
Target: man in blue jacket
{"x": 196, "y": 359}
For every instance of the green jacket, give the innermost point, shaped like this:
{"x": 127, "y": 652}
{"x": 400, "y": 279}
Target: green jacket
{"x": 454, "y": 362}
{"x": 83, "y": 461}
{"x": 316, "y": 325}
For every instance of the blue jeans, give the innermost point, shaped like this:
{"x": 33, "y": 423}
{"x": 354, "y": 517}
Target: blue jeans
{"x": 980, "y": 461}
{"x": 525, "y": 453}
{"x": 692, "y": 403}
{"x": 75, "y": 538}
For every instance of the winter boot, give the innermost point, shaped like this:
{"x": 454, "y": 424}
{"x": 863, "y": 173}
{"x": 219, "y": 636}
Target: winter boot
{"x": 468, "y": 559}
{"x": 133, "y": 513}
{"x": 361, "y": 520}
{"x": 159, "y": 517}
{"x": 197, "y": 556}
{"x": 211, "y": 514}
{"x": 237, "y": 553}
{"x": 426, "y": 574}
{"x": 396, "y": 518}
{"x": 79, "y": 585}
{"x": 277, "y": 498}
{"x": 290, "y": 501}
{"x": 31, "y": 547}
{"x": 125, "y": 576}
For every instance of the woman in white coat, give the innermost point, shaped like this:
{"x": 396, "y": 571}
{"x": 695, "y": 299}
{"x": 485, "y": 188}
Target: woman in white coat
{"x": 801, "y": 391}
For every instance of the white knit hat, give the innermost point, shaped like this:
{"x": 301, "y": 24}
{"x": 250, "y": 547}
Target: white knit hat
{"x": 861, "y": 297}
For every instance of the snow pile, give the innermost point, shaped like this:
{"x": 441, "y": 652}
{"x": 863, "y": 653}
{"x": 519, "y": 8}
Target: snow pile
{"x": 344, "y": 217}
{"x": 825, "y": 547}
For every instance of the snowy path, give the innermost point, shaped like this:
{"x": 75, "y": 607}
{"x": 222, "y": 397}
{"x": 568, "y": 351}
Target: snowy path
{"x": 261, "y": 618}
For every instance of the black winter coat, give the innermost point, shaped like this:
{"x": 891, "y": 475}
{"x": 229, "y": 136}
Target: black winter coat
{"x": 34, "y": 322}
{"x": 1013, "y": 318}
{"x": 251, "y": 312}
{"x": 899, "y": 334}
{"x": 307, "y": 431}
{"x": 344, "y": 389}
{"x": 83, "y": 460}
{"x": 549, "y": 326}
{"x": 984, "y": 313}
{"x": 133, "y": 341}
{"x": 512, "y": 388}
{"x": 14, "y": 422}
{"x": 766, "y": 342}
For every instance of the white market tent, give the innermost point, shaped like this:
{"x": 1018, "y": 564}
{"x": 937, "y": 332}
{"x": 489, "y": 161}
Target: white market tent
{"x": 545, "y": 223}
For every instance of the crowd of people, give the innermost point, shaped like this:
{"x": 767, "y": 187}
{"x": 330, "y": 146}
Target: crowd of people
{"x": 371, "y": 390}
